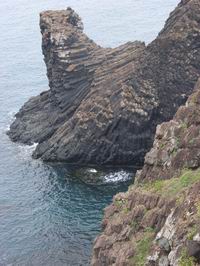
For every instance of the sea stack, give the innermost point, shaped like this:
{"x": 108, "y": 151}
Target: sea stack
{"x": 104, "y": 104}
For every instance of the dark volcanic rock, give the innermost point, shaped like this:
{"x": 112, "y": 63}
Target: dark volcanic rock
{"x": 104, "y": 104}
{"x": 177, "y": 143}
{"x": 157, "y": 222}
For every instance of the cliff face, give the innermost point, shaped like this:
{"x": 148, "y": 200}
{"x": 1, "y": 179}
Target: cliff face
{"x": 177, "y": 143}
{"x": 104, "y": 104}
{"x": 157, "y": 222}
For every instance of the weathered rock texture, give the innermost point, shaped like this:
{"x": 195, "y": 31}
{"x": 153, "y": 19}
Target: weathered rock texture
{"x": 104, "y": 104}
{"x": 177, "y": 143}
{"x": 157, "y": 222}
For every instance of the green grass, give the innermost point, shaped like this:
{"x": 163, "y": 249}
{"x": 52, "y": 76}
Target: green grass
{"x": 135, "y": 226}
{"x": 143, "y": 247}
{"x": 174, "y": 186}
{"x": 184, "y": 125}
{"x": 194, "y": 99}
{"x": 180, "y": 199}
{"x": 177, "y": 141}
{"x": 126, "y": 210}
{"x": 174, "y": 151}
{"x": 185, "y": 260}
{"x": 122, "y": 205}
{"x": 120, "y": 202}
{"x": 192, "y": 141}
{"x": 198, "y": 208}
{"x": 192, "y": 232}
{"x": 162, "y": 145}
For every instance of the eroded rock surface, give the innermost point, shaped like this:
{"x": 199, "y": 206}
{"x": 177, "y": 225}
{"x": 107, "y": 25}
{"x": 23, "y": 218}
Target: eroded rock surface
{"x": 157, "y": 222}
{"x": 177, "y": 143}
{"x": 104, "y": 104}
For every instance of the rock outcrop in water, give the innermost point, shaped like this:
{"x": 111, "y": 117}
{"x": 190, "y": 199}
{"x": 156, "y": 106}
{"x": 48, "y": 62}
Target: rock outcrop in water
{"x": 157, "y": 222}
{"x": 104, "y": 104}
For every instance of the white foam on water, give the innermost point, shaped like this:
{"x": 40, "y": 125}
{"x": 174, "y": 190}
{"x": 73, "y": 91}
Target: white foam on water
{"x": 9, "y": 119}
{"x": 27, "y": 150}
{"x": 93, "y": 171}
{"x": 116, "y": 177}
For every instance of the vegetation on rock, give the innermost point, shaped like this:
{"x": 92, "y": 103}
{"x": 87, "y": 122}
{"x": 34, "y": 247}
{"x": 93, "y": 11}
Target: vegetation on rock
{"x": 142, "y": 247}
{"x": 165, "y": 198}
{"x": 172, "y": 187}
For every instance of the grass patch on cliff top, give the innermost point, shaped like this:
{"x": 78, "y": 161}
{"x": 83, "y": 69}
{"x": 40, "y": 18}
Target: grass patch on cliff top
{"x": 173, "y": 186}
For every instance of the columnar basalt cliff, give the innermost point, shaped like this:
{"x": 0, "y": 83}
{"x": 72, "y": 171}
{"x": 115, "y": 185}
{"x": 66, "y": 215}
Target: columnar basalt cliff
{"x": 104, "y": 104}
{"x": 157, "y": 222}
{"x": 177, "y": 143}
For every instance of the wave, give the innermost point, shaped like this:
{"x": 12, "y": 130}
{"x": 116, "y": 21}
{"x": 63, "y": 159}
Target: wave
{"x": 27, "y": 150}
{"x": 6, "y": 122}
{"x": 92, "y": 171}
{"x": 101, "y": 176}
{"x": 116, "y": 177}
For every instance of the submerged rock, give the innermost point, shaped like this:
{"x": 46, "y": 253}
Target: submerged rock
{"x": 104, "y": 104}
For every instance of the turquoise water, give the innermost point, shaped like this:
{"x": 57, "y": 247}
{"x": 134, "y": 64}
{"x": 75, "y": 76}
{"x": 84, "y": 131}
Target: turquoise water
{"x": 49, "y": 214}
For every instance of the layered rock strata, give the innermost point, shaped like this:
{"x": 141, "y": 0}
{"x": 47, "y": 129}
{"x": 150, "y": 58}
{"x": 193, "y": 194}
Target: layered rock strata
{"x": 157, "y": 222}
{"x": 104, "y": 104}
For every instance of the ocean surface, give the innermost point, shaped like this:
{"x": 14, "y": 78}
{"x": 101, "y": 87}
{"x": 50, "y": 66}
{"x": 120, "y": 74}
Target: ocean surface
{"x": 50, "y": 214}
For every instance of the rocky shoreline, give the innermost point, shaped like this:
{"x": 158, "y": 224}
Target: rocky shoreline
{"x": 104, "y": 104}
{"x": 103, "y": 107}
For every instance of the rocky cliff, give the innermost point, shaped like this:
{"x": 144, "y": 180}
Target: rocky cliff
{"x": 157, "y": 222}
{"x": 104, "y": 104}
